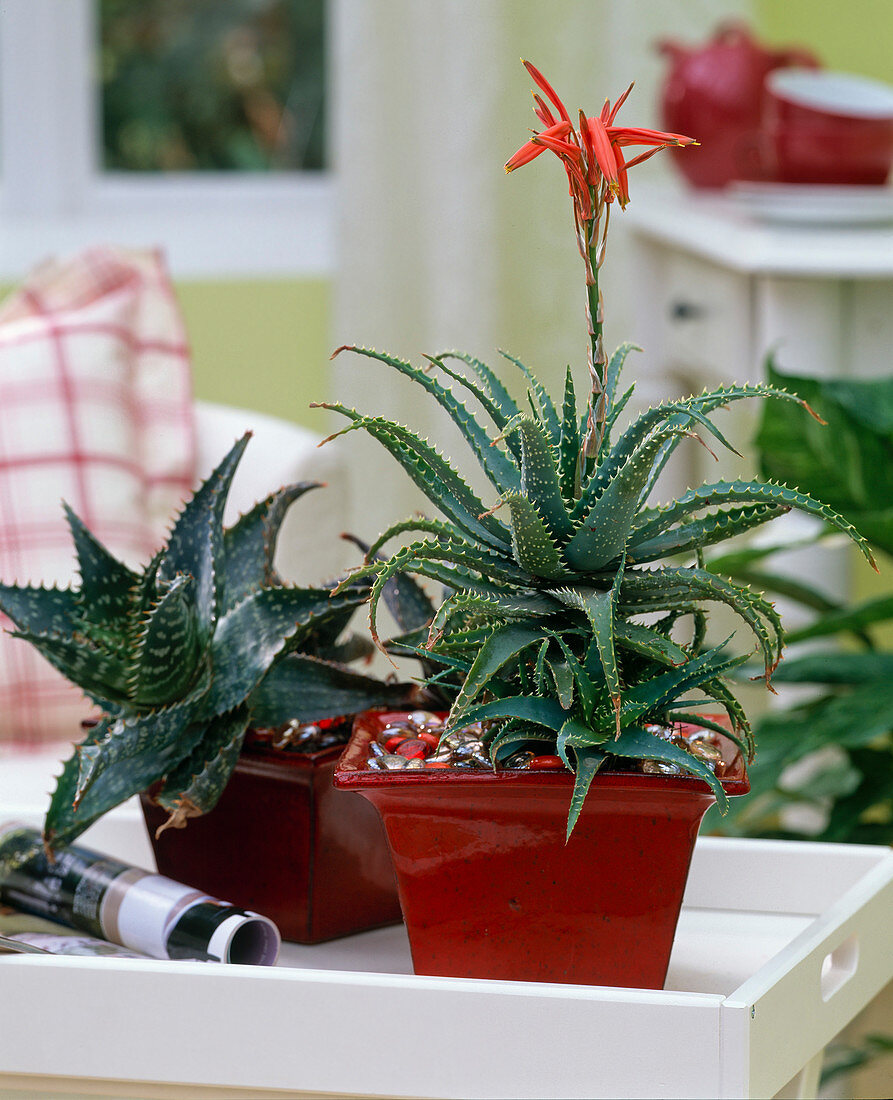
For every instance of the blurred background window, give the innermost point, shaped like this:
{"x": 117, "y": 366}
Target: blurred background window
{"x": 198, "y": 85}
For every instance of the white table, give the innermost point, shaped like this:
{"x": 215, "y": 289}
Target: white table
{"x": 779, "y": 947}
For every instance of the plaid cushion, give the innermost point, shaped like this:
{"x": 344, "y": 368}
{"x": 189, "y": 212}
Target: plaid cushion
{"x": 96, "y": 410}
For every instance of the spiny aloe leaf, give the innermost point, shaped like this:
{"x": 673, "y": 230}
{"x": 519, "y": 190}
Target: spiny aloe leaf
{"x": 612, "y": 418}
{"x": 600, "y": 610}
{"x": 544, "y": 404}
{"x": 38, "y": 610}
{"x": 719, "y": 690}
{"x": 404, "y": 597}
{"x": 639, "y": 745}
{"x": 699, "y": 584}
{"x": 653, "y": 521}
{"x": 603, "y": 533}
{"x": 100, "y": 674}
{"x": 495, "y": 464}
{"x": 666, "y": 688}
{"x": 592, "y": 690}
{"x": 705, "y": 531}
{"x": 106, "y": 583}
{"x": 563, "y": 677}
{"x": 539, "y": 476}
{"x": 499, "y": 395}
{"x": 439, "y": 528}
{"x": 250, "y": 544}
{"x": 509, "y": 606}
{"x": 493, "y": 410}
{"x": 509, "y": 736}
{"x": 695, "y": 719}
{"x": 307, "y": 689}
{"x": 194, "y": 787}
{"x": 569, "y": 443}
{"x": 251, "y": 635}
{"x": 141, "y": 748}
{"x": 806, "y": 594}
{"x": 588, "y": 761}
{"x": 195, "y": 546}
{"x": 615, "y": 366}
{"x": 649, "y": 642}
{"x": 529, "y": 708}
{"x": 532, "y": 544}
{"x": 169, "y": 648}
{"x": 421, "y": 557}
{"x": 431, "y": 472}
{"x": 505, "y": 643}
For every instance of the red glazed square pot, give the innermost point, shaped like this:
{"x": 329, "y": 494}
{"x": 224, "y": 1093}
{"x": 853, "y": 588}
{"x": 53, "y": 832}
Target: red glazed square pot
{"x": 283, "y": 842}
{"x": 489, "y": 889}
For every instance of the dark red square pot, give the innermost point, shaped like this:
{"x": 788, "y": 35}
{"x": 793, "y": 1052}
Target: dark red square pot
{"x": 489, "y": 889}
{"x": 283, "y": 842}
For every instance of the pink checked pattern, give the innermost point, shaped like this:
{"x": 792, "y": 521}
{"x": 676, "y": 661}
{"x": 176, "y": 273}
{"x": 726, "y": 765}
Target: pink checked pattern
{"x": 95, "y": 409}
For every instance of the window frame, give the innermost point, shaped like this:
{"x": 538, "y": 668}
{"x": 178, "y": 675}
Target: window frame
{"x": 55, "y": 199}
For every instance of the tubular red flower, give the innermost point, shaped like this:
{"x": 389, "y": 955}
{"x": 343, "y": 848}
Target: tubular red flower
{"x": 541, "y": 142}
{"x": 631, "y": 135}
{"x": 542, "y": 112}
{"x": 604, "y": 154}
{"x": 548, "y": 90}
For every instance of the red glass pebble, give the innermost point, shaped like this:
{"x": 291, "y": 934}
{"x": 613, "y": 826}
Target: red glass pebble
{"x": 437, "y": 764}
{"x": 393, "y": 741}
{"x": 429, "y": 738}
{"x": 413, "y": 749}
{"x": 548, "y": 763}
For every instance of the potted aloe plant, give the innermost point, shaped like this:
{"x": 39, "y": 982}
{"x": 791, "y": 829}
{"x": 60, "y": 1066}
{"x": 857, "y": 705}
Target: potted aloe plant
{"x": 545, "y": 830}
{"x": 221, "y": 688}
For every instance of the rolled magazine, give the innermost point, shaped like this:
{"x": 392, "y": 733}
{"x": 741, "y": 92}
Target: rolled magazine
{"x": 114, "y": 901}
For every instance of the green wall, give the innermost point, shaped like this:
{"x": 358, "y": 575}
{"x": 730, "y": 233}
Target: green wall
{"x": 855, "y": 37}
{"x": 261, "y": 343}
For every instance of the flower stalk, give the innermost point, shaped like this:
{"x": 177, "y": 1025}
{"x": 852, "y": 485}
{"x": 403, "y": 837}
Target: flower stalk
{"x": 596, "y": 169}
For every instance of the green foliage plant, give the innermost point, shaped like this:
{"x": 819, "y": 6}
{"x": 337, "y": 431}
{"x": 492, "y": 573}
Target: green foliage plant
{"x": 575, "y": 611}
{"x": 185, "y": 655}
{"x": 825, "y": 769}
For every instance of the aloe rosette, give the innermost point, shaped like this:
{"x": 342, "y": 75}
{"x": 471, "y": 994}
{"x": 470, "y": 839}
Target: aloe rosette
{"x": 182, "y": 657}
{"x": 567, "y": 595}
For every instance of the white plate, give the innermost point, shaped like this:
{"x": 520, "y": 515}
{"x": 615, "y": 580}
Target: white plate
{"x": 814, "y": 204}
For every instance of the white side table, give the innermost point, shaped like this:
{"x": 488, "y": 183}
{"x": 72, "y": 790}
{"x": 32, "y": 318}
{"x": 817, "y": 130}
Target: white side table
{"x": 713, "y": 290}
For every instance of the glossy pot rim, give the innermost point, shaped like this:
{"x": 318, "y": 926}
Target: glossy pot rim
{"x": 351, "y": 774}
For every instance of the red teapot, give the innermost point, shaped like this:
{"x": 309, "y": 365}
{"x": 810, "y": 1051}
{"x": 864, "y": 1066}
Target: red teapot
{"x": 714, "y": 93}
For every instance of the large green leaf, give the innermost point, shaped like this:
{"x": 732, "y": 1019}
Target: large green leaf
{"x": 37, "y": 610}
{"x": 540, "y": 483}
{"x": 848, "y": 464}
{"x": 250, "y": 544}
{"x": 195, "y": 546}
{"x": 169, "y": 647}
{"x": 106, "y": 583}
{"x": 121, "y": 757}
{"x": 654, "y": 521}
{"x": 495, "y": 463}
{"x": 505, "y": 643}
{"x": 308, "y": 689}
{"x": 196, "y": 784}
{"x": 604, "y": 531}
{"x": 533, "y": 547}
{"x": 250, "y": 636}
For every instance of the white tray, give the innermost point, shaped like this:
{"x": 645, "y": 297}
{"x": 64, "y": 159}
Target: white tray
{"x": 779, "y": 946}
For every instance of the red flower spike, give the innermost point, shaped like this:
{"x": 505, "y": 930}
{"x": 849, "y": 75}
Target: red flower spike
{"x": 539, "y": 143}
{"x": 620, "y": 101}
{"x": 604, "y": 154}
{"x": 631, "y": 135}
{"x": 547, "y": 89}
{"x": 542, "y": 112}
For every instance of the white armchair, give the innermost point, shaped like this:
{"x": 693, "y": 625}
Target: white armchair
{"x": 310, "y": 549}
